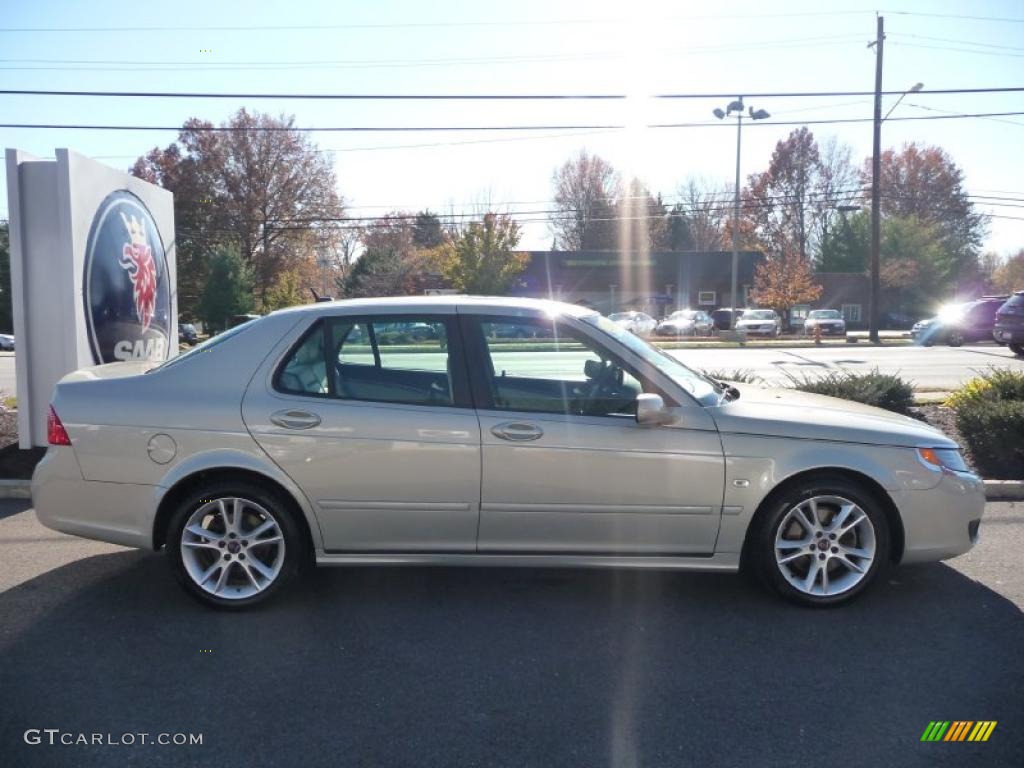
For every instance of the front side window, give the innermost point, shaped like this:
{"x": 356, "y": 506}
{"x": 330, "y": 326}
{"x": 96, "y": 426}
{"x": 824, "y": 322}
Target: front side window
{"x": 547, "y": 367}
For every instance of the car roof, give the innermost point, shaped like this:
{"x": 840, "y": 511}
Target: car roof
{"x": 444, "y": 304}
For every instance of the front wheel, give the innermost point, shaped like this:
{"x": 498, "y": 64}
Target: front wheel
{"x": 233, "y": 544}
{"x": 955, "y": 339}
{"x": 823, "y": 542}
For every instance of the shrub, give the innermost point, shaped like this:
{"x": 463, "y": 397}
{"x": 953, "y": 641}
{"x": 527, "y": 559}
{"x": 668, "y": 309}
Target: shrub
{"x": 881, "y": 390}
{"x": 741, "y": 375}
{"x": 990, "y": 417}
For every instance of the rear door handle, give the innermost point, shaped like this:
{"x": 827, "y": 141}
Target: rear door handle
{"x": 517, "y": 431}
{"x": 293, "y": 419}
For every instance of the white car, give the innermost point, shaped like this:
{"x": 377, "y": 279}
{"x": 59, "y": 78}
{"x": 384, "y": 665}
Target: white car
{"x": 760, "y": 322}
{"x": 638, "y": 322}
{"x": 686, "y": 322}
{"x": 305, "y": 436}
{"x": 828, "y": 321}
{"x": 6, "y": 342}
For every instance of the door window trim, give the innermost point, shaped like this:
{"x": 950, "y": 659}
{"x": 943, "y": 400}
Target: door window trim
{"x": 480, "y": 365}
{"x": 461, "y": 390}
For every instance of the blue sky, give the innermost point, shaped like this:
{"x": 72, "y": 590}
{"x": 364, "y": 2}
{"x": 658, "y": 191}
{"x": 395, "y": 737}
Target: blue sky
{"x": 523, "y": 47}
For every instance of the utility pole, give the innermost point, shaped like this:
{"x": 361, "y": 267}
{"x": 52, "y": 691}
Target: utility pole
{"x": 876, "y": 186}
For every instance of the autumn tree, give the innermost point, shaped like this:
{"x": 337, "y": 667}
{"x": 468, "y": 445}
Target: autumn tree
{"x": 258, "y": 184}
{"x": 783, "y": 281}
{"x": 482, "y": 259}
{"x": 1009, "y": 276}
{"x": 586, "y": 193}
{"x": 923, "y": 182}
{"x": 390, "y": 264}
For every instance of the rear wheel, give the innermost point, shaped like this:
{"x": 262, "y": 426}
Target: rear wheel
{"x": 1017, "y": 349}
{"x": 823, "y": 542}
{"x": 955, "y": 339}
{"x": 232, "y": 545}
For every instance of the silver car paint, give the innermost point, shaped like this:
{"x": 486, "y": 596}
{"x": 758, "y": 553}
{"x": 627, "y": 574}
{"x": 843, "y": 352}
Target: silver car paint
{"x": 108, "y": 487}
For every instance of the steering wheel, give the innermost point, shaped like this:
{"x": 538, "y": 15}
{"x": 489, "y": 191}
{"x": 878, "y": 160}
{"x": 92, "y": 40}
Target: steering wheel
{"x": 602, "y": 386}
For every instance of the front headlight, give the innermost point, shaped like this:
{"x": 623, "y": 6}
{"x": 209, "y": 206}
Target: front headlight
{"x": 943, "y": 458}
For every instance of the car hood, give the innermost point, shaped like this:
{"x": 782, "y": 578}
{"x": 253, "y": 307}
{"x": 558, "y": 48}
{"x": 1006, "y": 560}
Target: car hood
{"x": 801, "y": 415}
{"x": 111, "y": 371}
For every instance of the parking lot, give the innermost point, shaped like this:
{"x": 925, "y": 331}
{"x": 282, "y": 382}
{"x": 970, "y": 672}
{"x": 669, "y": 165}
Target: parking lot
{"x": 503, "y": 667}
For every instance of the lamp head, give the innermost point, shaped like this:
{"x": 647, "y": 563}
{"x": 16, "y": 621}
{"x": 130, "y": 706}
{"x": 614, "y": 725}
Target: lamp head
{"x": 916, "y": 87}
{"x": 735, "y": 106}
{"x": 718, "y": 113}
{"x": 760, "y": 114}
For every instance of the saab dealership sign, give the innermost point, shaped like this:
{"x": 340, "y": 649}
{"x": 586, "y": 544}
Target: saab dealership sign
{"x": 127, "y": 295}
{"x": 93, "y": 274}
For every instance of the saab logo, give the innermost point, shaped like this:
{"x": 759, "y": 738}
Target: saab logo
{"x": 127, "y": 295}
{"x": 958, "y": 730}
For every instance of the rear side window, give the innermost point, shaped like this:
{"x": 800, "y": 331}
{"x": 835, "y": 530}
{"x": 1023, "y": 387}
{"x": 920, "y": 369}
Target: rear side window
{"x": 405, "y": 360}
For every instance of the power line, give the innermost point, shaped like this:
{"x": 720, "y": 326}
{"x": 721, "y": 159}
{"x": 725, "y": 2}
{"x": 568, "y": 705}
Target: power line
{"x": 960, "y": 42}
{"x": 957, "y": 50}
{"x": 486, "y": 96}
{"x": 464, "y": 128}
{"x": 1003, "y": 19}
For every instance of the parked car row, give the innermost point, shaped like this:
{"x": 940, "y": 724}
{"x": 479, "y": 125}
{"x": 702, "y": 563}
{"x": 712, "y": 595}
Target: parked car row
{"x": 686, "y": 322}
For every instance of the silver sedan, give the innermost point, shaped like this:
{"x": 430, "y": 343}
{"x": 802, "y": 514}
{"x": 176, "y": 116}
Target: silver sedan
{"x": 327, "y": 434}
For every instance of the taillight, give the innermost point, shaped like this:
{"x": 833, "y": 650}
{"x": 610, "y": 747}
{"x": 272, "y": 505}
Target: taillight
{"x": 55, "y": 432}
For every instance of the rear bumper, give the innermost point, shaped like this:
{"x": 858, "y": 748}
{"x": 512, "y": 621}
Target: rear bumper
{"x": 118, "y": 513}
{"x": 1008, "y": 335}
{"x": 941, "y": 522}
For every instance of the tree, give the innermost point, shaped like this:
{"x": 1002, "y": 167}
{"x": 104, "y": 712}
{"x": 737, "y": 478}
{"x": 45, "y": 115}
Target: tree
{"x": 259, "y": 185}
{"x": 289, "y": 290}
{"x": 586, "y": 191}
{"x": 427, "y": 231}
{"x": 1009, "y": 276}
{"x": 641, "y": 220}
{"x": 915, "y": 261}
{"x": 390, "y": 264}
{"x": 846, "y": 246}
{"x": 781, "y": 282}
{"x": 229, "y": 290}
{"x": 482, "y": 259}
{"x": 923, "y": 182}
{"x": 697, "y": 222}
{"x": 6, "y": 307}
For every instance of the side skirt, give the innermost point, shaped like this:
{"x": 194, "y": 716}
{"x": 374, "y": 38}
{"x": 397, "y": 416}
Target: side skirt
{"x": 727, "y": 561}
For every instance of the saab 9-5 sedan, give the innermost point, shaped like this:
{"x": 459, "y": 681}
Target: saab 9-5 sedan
{"x": 515, "y": 433}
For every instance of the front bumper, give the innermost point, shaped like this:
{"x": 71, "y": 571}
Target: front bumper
{"x": 758, "y": 331}
{"x": 119, "y": 513}
{"x": 826, "y": 330}
{"x": 941, "y": 522}
{"x": 1008, "y": 335}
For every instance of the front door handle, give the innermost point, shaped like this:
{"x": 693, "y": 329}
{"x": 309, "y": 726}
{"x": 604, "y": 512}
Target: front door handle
{"x": 517, "y": 431}
{"x": 293, "y": 419}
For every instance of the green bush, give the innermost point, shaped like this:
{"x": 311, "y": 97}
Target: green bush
{"x": 990, "y": 417}
{"x": 741, "y": 375}
{"x": 881, "y": 390}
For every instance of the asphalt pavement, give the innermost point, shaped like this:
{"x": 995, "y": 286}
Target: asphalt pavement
{"x": 504, "y": 667}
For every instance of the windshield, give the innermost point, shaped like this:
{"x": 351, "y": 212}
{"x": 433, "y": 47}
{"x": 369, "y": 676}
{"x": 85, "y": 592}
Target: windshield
{"x": 759, "y": 314}
{"x": 825, "y": 314}
{"x": 703, "y": 389}
{"x": 683, "y": 314}
{"x": 205, "y": 346}
{"x": 619, "y": 316}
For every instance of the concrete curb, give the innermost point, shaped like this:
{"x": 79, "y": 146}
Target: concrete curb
{"x": 15, "y": 489}
{"x": 995, "y": 490}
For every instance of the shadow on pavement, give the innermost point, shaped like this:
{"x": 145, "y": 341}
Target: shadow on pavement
{"x": 497, "y": 667}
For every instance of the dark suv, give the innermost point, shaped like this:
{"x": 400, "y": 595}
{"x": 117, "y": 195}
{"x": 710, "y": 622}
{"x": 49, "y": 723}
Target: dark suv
{"x": 1009, "y": 328}
{"x": 973, "y": 321}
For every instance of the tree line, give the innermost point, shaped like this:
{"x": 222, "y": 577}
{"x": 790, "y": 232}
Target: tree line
{"x": 260, "y": 223}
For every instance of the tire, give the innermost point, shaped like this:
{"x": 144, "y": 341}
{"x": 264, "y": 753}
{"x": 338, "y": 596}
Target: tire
{"x": 955, "y": 339}
{"x": 854, "y": 556}
{"x": 1017, "y": 349}
{"x": 237, "y": 583}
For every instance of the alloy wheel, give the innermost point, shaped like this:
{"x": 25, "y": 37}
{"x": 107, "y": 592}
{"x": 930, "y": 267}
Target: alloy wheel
{"x": 232, "y": 548}
{"x": 825, "y": 546}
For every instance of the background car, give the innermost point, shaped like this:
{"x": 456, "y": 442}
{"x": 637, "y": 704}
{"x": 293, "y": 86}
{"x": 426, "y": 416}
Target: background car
{"x": 1009, "y": 326}
{"x": 760, "y": 322}
{"x": 722, "y": 318}
{"x": 187, "y": 334}
{"x": 638, "y": 322}
{"x": 896, "y": 321}
{"x": 686, "y": 322}
{"x": 959, "y": 323}
{"x": 829, "y": 321}
{"x": 6, "y": 342}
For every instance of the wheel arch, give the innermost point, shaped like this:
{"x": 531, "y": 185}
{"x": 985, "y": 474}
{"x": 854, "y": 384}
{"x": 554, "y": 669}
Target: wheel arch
{"x": 870, "y": 485}
{"x": 200, "y": 477}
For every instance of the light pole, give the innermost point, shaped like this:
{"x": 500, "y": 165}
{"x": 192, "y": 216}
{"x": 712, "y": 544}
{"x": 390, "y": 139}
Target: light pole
{"x": 760, "y": 114}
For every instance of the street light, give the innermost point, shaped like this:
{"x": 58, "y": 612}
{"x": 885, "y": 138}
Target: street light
{"x": 876, "y": 193}
{"x": 760, "y": 114}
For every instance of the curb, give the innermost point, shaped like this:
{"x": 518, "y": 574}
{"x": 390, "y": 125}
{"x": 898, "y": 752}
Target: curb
{"x": 1004, "y": 490}
{"x": 15, "y": 489}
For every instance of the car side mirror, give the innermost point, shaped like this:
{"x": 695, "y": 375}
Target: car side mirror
{"x": 651, "y": 410}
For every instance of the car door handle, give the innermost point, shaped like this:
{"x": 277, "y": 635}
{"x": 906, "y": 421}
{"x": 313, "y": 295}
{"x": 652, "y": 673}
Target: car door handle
{"x": 517, "y": 431}
{"x": 291, "y": 419}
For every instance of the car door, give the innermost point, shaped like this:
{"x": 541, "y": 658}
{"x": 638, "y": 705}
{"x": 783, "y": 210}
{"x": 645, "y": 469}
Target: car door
{"x": 566, "y": 468}
{"x": 374, "y": 422}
